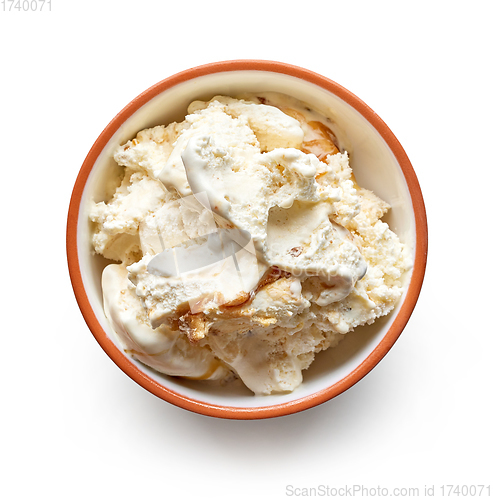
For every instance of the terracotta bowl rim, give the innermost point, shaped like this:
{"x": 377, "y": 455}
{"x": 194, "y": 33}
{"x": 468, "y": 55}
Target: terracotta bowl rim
{"x": 302, "y": 403}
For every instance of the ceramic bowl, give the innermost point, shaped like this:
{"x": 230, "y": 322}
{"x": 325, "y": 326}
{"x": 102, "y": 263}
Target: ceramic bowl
{"x": 379, "y": 163}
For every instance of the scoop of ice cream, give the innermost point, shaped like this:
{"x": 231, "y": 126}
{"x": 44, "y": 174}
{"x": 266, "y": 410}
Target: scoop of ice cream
{"x": 253, "y": 343}
{"x": 272, "y": 128}
{"x": 151, "y": 148}
{"x": 117, "y": 222}
{"x": 248, "y": 244}
{"x": 160, "y": 348}
{"x": 276, "y": 198}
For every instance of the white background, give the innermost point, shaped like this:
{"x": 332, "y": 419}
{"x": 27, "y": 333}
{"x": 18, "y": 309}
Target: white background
{"x": 73, "y": 425}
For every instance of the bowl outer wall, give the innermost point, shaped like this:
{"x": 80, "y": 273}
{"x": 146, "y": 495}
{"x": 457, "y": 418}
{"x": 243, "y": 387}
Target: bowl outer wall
{"x": 233, "y": 412}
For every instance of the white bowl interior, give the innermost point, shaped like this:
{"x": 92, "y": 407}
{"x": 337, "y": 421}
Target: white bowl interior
{"x": 375, "y": 168}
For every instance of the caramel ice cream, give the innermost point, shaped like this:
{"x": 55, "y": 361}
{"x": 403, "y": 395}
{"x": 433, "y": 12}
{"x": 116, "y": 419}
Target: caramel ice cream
{"x": 243, "y": 244}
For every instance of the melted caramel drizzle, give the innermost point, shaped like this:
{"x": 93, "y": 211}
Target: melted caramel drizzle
{"x": 321, "y": 140}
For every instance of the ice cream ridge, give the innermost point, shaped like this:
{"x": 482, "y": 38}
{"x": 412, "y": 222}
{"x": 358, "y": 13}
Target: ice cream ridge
{"x": 243, "y": 244}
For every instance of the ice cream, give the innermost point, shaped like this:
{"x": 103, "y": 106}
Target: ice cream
{"x": 244, "y": 244}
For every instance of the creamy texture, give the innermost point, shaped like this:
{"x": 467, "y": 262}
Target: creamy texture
{"x": 161, "y": 348}
{"x": 245, "y": 244}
